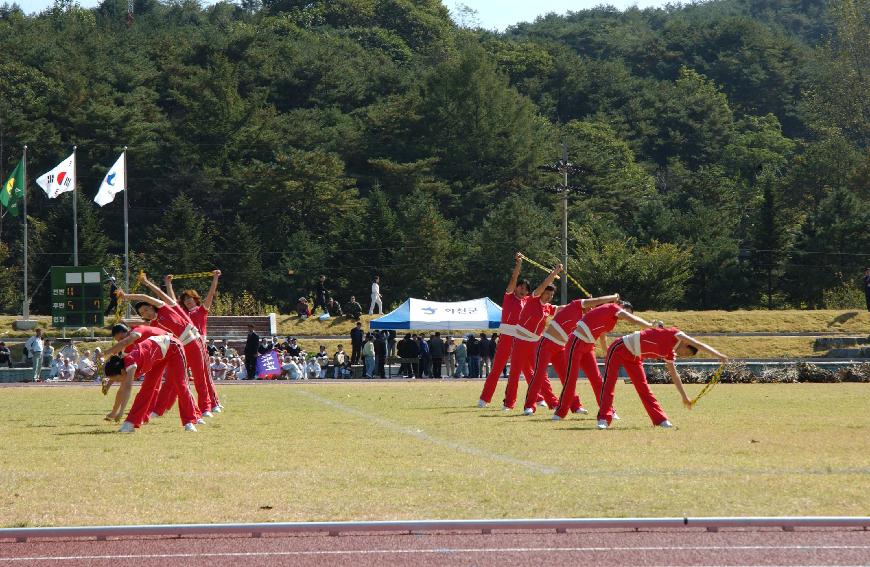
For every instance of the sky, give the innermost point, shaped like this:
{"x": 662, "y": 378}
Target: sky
{"x": 492, "y": 14}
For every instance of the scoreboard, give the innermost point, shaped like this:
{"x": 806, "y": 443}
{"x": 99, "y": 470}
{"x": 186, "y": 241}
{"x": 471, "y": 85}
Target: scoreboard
{"x": 76, "y": 296}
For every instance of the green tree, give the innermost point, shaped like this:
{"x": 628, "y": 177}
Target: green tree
{"x": 241, "y": 259}
{"x": 182, "y": 242}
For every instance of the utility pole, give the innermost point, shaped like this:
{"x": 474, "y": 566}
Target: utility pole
{"x": 564, "y": 167}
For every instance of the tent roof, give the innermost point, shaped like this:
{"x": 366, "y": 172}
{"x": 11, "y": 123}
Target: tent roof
{"x": 421, "y": 314}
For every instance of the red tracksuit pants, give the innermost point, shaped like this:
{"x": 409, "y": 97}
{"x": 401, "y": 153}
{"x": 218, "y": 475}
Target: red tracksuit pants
{"x": 196, "y": 361}
{"x": 175, "y": 368}
{"x": 619, "y": 356}
{"x": 502, "y": 355}
{"x": 580, "y": 356}
{"x": 547, "y": 352}
{"x": 522, "y": 361}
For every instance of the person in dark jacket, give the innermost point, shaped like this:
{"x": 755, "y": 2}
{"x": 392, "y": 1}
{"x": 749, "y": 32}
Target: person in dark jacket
{"x": 320, "y": 295}
{"x": 380, "y": 353}
{"x": 425, "y": 358}
{"x": 473, "y": 357}
{"x": 252, "y": 344}
{"x": 391, "y": 342}
{"x": 867, "y": 286}
{"x": 485, "y": 359}
{"x": 436, "y": 352}
{"x": 356, "y": 343}
{"x": 493, "y": 344}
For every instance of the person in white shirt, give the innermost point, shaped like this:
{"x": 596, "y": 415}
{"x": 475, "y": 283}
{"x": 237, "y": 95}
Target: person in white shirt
{"x": 376, "y": 297}
{"x": 56, "y": 363}
{"x": 241, "y": 371}
{"x": 218, "y": 369}
{"x": 34, "y": 346}
{"x": 86, "y": 368}
{"x": 312, "y": 368}
{"x": 67, "y": 370}
{"x": 323, "y": 361}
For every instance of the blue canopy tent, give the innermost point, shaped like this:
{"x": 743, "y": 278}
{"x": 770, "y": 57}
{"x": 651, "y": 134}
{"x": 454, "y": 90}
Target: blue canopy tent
{"x": 420, "y": 314}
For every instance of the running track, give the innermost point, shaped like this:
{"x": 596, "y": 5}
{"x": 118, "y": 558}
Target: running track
{"x": 585, "y": 547}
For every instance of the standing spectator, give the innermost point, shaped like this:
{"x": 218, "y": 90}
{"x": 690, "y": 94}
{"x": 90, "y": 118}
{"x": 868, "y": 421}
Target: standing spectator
{"x": 322, "y": 360}
{"x": 408, "y": 348}
{"x": 48, "y": 353}
{"x": 391, "y": 342}
{"x": 380, "y": 352}
{"x": 485, "y": 360}
{"x": 473, "y": 357}
{"x": 341, "y": 363}
{"x": 320, "y": 295}
{"x": 450, "y": 350}
{"x": 425, "y": 358}
{"x": 34, "y": 346}
{"x": 376, "y": 297}
{"x": 113, "y": 299}
{"x": 5, "y": 355}
{"x": 867, "y": 286}
{"x": 251, "y": 346}
{"x": 368, "y": 351}
{"x": 356, "y": 342}
{"x": 461, "y": 360}
{"x": 436, "y": 351}
{"x": 334, "y": 308}
{"x": 354, "y": 309}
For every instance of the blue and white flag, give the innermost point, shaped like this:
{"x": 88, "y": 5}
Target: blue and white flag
{"x": 114, "y": 182}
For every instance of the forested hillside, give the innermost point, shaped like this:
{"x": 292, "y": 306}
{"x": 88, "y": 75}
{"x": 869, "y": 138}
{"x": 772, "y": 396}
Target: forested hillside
{"x": 726, "y": 146}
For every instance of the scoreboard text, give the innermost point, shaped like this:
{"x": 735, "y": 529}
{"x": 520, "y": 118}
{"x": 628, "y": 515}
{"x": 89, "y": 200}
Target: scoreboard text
{"x": 76, "y": 296}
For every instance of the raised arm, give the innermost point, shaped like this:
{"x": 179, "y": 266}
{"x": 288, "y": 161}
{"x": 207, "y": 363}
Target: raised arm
{"x": 132, "y": 297}
{"x": 167, "y": 281}
{"x": 631, "y": 317}
{"x": 156, "y": 289}
{"x": 119, "y": 346}
{"x": 591, "y": 302}
{"x": 515, "y": 275}
{"x": 703, "y": 346}
{"x": 209, "y": 298}
{"x": 551, "y": 277}
{"x": 675, "y": 376}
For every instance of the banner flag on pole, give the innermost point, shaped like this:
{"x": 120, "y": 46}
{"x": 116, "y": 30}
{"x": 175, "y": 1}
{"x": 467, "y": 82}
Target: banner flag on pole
{"x": 268, "y": 366}
{"x": 60, "y": 179}
{"x": 113, "y": 183}
{"x": 12, "y": 190}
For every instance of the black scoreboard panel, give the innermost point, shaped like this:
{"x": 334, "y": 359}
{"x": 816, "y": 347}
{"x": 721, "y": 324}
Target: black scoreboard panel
{"x": 76, "y": 296}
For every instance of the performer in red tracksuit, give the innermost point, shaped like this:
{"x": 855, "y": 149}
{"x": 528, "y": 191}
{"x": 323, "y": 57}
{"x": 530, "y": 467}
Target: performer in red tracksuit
{"x": 580, "y": 351}
{"x": 552, "y": 348}
{"x": 630, "y": 351}
{"x": 153, "y": 357}
{"x": 515, "y": 297}
{"x": 530, "y": 324}
{"x": 167, "y": 314}
{"x": 197, "y": 310}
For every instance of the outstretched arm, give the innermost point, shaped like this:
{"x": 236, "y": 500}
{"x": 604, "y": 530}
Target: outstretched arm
{"x": 551, "y": 277}
{"x": 131, "y": 297}
{"x": 209, "y": 298}
{"x": 156, "y": 289}
{"x": 515, "y": 275}
{"x": 631, "y": 317}
{"x": 703, "y": 346}
{"x": 167, "y": 281}
{"x": 122, "y": 344}
{"x": 122, "y": 396}
{"x": 591, "y": 302}
{"x": 675, "y": 376}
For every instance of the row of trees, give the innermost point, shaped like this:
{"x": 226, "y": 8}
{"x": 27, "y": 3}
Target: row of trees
{"x": 727, "y": 146}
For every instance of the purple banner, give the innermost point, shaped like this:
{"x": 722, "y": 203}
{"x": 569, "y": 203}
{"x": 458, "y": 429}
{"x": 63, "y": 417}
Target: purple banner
{"x": 268, "y": 365}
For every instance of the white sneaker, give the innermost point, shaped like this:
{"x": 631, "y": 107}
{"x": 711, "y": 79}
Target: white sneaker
{"x": 616, "y": 417}
{"x": 207, "y": 414}
{"x": 217, "y": 409}
{"x": 505, "y": 408}
{"x": 602, "y": 424}
{"x": 542, "y": 404}
{"x": 582, "y": 411}
{"x": 200, "y": 421}
{"x": 481, "y": 404}
{"x": 127, "y": 427}
{"x": 666, "y": 424}
{"x": 152, "y": 415}
{"x": 190, "y": 427}
{"x": 556, "y": 417}
{"x": 528, "y": 411}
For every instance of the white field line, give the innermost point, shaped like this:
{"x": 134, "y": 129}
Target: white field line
{"x": 423, "y": 436}
{"x": 444, "y": 551}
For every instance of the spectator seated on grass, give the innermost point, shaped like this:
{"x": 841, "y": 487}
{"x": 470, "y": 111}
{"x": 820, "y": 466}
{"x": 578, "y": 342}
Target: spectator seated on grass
{"x": 312, "y": 368}
{"x": 341, "y": 362}
{"x": 218, "y": 368}
{"x": 86, "y": 369}
{"x": 67, "y": 371}
{"x": 231, "y": 369}
{"x": 241, "y": 371}
{"x": 290, "y": 369}
{"x": 55, "y": 365}
{"x": 334, "y": 308}
{"x": 303, "y": 309}
{"x": 5, "y": 355}
{"x": 353, "y": 309}
{"x": 323, "y": 360}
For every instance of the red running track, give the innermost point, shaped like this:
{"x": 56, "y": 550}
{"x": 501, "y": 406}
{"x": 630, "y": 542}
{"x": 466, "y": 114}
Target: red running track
{"x": 764, "y": 547}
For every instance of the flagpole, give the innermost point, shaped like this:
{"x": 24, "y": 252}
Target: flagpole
{"x": 75, "y": 216}
{"x": 26, "y": 309}
{"x": 126, "y": 230}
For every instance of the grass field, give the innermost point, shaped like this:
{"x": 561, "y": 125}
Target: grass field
{"x": 353, "y": 451}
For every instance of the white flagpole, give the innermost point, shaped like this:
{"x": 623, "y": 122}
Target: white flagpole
{"x": 75, "y": 216}
{"x": 126, "y": 230}
{"x": 26, "y": 308}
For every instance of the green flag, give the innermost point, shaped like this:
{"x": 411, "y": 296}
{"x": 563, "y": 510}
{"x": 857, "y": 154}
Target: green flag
{"x": 12, "y": 190}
